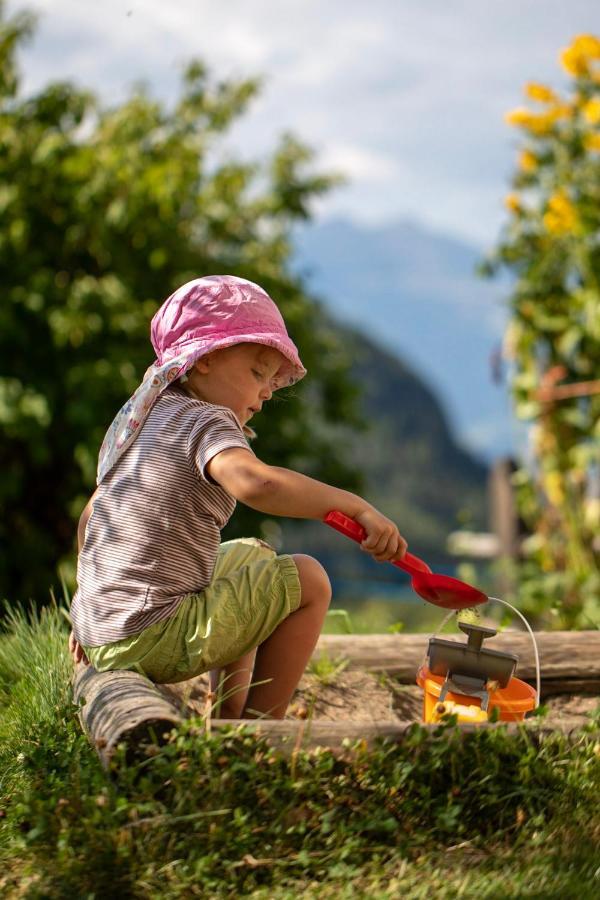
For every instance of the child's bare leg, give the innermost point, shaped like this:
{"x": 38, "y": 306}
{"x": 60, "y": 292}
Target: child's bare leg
{"x": 235, "y": 679}
{"x": 282, "y": 658}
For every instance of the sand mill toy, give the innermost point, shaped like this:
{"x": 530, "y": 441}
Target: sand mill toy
{"x": 460, "y": 678}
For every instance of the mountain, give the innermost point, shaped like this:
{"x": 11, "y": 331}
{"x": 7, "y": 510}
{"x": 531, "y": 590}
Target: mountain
{"x": 414, "y": 470}
{"x": 417, "y": 294}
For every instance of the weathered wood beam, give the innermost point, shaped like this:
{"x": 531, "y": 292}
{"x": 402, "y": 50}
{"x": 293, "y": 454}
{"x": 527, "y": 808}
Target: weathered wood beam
{"x": 289, "y": 734}
{"x": 120, "y": 706}
{"x": 565, "y": 656}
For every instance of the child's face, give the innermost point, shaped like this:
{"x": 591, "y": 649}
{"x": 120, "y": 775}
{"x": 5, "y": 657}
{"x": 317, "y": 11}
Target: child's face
{"x": 240, "y": 378}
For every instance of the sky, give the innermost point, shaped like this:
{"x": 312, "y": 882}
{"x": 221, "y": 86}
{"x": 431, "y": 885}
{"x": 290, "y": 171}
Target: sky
{"x": 405, "y": 97}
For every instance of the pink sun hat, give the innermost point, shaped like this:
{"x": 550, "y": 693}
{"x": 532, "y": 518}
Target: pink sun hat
{"x": 219, "y": 311}
{"x": 206, "y": 314}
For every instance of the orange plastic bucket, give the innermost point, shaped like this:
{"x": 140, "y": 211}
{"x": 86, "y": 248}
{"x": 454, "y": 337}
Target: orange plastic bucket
{"x": 513, "y": 701}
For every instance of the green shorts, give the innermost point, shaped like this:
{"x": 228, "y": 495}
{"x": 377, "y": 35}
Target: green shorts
{"x": 252, "y": 591}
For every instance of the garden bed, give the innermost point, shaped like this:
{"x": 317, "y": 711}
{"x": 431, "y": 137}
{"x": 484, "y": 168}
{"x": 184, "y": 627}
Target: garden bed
{"x": 361, "y": 696}
{"x": 356, "y": 686}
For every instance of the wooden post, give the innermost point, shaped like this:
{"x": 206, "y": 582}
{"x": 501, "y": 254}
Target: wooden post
{"x": 505, "y": 523}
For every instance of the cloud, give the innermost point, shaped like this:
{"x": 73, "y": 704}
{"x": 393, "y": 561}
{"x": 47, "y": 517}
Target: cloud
{"x": 359, "y": 163}
{"x": 417, "y": 88}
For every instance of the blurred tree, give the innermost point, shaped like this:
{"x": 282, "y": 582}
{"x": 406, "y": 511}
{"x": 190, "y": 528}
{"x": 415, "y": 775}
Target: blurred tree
{"x": 105, "y": 212}
{"x": 552, "y": 245}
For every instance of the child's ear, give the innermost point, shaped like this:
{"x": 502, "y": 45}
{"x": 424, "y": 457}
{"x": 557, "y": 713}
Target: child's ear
{"x": 203, "y": 364}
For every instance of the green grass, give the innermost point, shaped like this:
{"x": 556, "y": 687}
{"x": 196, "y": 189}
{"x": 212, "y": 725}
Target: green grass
{"x": 482, "y": 815}
{"x": 326, "y": 669}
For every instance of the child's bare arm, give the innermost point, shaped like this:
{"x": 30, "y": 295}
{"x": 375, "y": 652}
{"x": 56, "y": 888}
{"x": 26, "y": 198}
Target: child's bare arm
{"x": 283, "y": 492}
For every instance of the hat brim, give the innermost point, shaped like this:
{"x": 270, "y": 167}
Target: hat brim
{"x": 290, "y": 372}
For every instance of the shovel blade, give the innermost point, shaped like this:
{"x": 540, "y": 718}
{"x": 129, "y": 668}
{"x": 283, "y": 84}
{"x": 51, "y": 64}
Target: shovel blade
{"x": 447, "y": 592}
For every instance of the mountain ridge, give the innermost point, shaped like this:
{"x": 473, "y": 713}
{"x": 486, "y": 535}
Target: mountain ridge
{"x": 414, "y": 470}
{"x": 417, "y": 294}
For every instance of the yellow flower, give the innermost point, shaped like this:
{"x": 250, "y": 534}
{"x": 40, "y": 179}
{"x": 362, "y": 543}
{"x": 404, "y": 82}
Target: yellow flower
{"x": 576, "y": 58}
{"x": 543, "y": 123}
{"x": 554, "y": 488}
{"x": 573, "y": 62}
{"x": 524, "y": 118}
{"x": 519, "y": 116}
{"x": 591, "y": 512}
{"x": 561, "y": 216}
{"x": 540, "y": 93}
{"x": 528, "y": 161}
{"x": 512, "y": 203}
{"x": 588, "y": 45}
{"x": 560, "y": 111}
{"x": 591, "y": 111}
{"x": 592, "y": 142}
{"x": 538, "y": 123}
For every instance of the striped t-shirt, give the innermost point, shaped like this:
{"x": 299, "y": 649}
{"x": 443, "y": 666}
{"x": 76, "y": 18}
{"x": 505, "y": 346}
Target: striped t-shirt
{"x": 154, "y": 532}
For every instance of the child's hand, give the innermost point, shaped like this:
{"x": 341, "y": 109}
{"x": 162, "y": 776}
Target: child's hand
{"x": 76, "y": 651}
{"x": 383, "y": 540}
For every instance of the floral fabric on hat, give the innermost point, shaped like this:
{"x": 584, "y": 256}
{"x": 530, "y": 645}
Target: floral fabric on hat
{"x": 133, "y": 413}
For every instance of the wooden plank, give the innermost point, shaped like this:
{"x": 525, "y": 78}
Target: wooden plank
{"x": 289, "y": 735}
{"x": 564, "y": 655}
{"x": 551, "y": 688}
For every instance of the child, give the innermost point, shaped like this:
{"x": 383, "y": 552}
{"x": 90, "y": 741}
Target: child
{"x": 157, "y": 592}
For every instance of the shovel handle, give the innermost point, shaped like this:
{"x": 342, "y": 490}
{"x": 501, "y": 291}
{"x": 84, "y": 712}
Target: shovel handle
{"x": 353, "y": 529}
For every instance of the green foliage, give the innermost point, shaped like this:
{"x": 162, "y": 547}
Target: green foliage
{"x": 226, "y": 812}
{"x": 35, "y": 687}
{"x": 551, "y": 245}
{"x": 338, "y": 621}
{"x": 326, "y": 668}
{"x": 104, "y": 212}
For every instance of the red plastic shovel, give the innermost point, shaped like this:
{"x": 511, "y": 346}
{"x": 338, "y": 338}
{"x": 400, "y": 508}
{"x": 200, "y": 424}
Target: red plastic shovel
{"x": 441, "y": 590}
